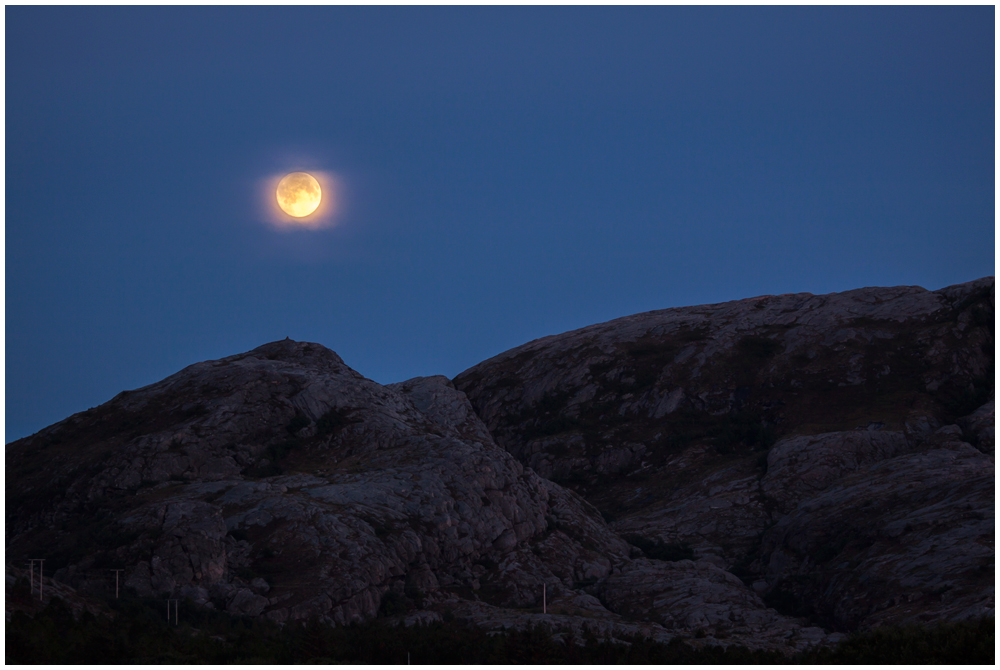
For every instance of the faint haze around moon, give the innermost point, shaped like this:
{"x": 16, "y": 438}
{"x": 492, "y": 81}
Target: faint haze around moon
{"x": 301, "y": 199}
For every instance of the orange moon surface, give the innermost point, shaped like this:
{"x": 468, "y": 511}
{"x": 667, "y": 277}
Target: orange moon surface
{"x": 299, "y": 194}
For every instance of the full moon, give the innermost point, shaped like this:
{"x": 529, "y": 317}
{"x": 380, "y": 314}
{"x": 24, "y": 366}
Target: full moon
{"x": 299, "y": 194}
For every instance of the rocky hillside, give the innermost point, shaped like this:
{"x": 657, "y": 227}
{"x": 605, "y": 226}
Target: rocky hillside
{"x": 768, "y": 472}
{"x": 835, "y": 452}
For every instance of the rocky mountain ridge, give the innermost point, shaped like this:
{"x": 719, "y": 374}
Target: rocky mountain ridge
{"x": 769, "y": 472}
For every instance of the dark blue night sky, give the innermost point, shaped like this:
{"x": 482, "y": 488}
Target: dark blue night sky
{"x": 505, "y": 174}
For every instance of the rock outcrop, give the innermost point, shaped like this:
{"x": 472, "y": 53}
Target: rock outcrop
{"x": 699, "y": 596}
{"x": 282, "y": 483}
{"x": 724, "y": 427}
{"x": 907, "y": 540}
{"x": 800, "y": 467}
{"x": 767, "y": 472}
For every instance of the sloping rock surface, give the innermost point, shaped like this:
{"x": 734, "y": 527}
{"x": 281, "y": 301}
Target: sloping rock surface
{"x": 700, "y": 596}
{"x": 978, "y": 426}
{"x": 800, "y": 467}
{"x": 907, "y": 540}
{"x": 765, "y": 472}
{"x": 280, "y": 483}
{"x": 720, "y": 428}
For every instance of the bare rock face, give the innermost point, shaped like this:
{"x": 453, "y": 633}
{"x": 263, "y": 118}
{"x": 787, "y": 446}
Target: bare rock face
{"x": 718, "y": 516}
{"x": 719, "y": 428}
{"x": 979, "y": 428}
{"x": 281, "y": 483}
{"x": 800, "y": 467}
{"x": 702, "y": 597}
{"x": 907, "y": 540}
{"x": 768, "y": 472}
{"x": 612, "y": 398}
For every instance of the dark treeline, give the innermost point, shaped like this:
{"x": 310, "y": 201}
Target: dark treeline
{"x": 139, "y": 633}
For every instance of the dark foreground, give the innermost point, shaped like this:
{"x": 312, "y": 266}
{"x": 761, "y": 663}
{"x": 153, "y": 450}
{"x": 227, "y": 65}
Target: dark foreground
{"x": 137, "y": 632}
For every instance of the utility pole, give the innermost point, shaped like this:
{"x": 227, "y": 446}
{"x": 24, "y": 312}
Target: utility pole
{"x": 544, "y": 610}
{"x": 116, "y": 571}
{"x": 41, "y": 568}
{"x": 175, "y": 601}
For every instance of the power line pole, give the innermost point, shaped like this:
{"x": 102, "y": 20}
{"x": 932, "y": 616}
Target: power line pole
{"x": 41, "y": 569}
{"x": 544, "y": 610}
{"x": 175, "y": 601}
{"x": 116, "y": 571}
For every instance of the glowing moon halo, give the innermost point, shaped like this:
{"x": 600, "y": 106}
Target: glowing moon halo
{"x": 298, "y": 194}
